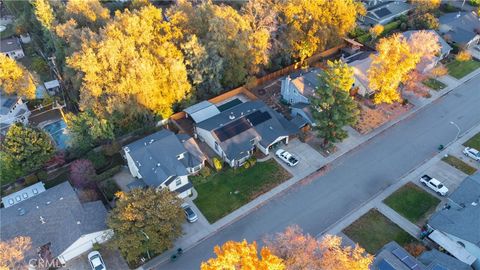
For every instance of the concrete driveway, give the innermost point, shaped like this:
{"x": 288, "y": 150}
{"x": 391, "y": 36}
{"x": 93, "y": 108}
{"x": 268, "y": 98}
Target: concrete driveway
{"x": 112, "y": 259}
{"x": 309, "y": 159}
{"x": 446, "y": 174}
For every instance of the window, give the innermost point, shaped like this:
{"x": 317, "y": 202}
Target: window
{"x": 216, "y": 146}
{"x": 178, "y": 182}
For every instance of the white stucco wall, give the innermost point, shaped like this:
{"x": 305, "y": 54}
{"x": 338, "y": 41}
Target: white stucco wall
{"x": 131, "y": 165}
{"x": 84, "y": 244}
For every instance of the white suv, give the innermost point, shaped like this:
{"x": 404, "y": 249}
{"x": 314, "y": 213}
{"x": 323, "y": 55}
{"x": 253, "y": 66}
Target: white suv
{"x": 472, "y": 153}
{"x": 434, "y": 185}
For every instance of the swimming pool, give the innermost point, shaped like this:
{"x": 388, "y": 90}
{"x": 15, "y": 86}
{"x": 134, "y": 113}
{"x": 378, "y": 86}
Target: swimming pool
{"x": 58, "y": 132}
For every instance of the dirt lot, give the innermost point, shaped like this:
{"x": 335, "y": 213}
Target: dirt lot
{"x": 372, "y": 117}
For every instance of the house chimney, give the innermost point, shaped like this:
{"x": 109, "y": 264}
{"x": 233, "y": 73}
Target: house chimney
{"x": 42, "y": 220}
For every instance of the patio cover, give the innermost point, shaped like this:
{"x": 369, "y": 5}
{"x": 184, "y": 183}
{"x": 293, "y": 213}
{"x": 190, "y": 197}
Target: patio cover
{"x": 453, "y": 247}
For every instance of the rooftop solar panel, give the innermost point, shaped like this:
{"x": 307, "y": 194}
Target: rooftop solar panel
{"x": 410, "y": 263}
{"x": 258, "y": 117}
{"x": 384, "y": 265}
{"x": 382, "y": 12}
{"x": 400, "y": 253}
{"x": 234, "y": 128}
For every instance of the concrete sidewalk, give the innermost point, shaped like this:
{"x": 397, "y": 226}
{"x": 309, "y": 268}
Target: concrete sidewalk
{"x": 346, "y": 146}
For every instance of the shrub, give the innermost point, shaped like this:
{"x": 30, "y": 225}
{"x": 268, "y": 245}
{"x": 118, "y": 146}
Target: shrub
{"x": 415, "y": 249}
{"x": 463, "y": 56}
{"x": 42, "y": 175}
{"x": 246, "y": 165}
{"x": 111, "y": 149}
{"x": 218, "y": 164}
{"x": 108, "y": 173}
{"x": 205, "y": 172}
{"x": 475, "y": 3}
{"x": 403, "y": 26}
{"x": 389, "y": 27}
{"x": 97, "y": 246}
{"x": 252, "y": 161}
{"x": 87, "y": 195}
{"x": 97, "y": 158}
{"x": 31, "y": 179}
{"x": 376, "y": 31}
{"x": 357, "y": 32}
{"x": 81, "y": 172}
{"x": 109, "y": 188}
{"x": 439, "y": 70}
{"x": 426, "y": 21}
{"x": 364, "y": 38}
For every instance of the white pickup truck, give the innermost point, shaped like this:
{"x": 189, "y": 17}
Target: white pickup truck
{"x": 434, "y": 185}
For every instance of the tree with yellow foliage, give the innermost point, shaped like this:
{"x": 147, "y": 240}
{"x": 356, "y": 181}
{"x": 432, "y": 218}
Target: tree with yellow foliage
{"x": 425, "y": 5}
{"x": 312, "y": 25}
{"x": 15, "y": 79}
{"x": 463, "y": 56}
{"x": 242, "y": 255}
{"x": 44, "y": 13}
{"x": 12, "y": 252}
{"x": 87, "y": 12}
{"x": 390, "y": 67}
{"x": 302, "y": 251}
{"x": 376, "y": 30}
{"x": 144, "y": 221}
{"x": 133, "y": 60}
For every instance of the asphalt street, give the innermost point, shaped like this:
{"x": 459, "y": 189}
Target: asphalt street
{"x": 353, "y": 178}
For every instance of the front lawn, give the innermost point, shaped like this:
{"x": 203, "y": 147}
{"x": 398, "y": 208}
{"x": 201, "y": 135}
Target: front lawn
{"x": 459, "y": 164}
{"x": 459, "y": 69}
{"x": 223, "y": 192}
{"x": 434, "y": 84}
{"x": 412, "y": 202}
{"x": 373, "y": 230}
{"x": 474, "y": 142}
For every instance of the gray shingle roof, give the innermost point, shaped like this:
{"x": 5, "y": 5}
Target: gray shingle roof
{"x": 265, "y": 131}
{"x": 461, "y": 29}
{"x": 434, "y": 258}
{"x": 386, "y": 256}
{"x": 156, "y": 157}
{"x": 65, "y": 219}
{"x": 10, "y": 44}
{"x": 462, "y": 218}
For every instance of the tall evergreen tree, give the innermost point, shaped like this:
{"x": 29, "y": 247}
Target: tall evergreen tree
{"x": 332, "y": 106}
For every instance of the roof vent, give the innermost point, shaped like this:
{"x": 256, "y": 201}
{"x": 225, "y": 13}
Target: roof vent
{"x": 158, "y": 164}
{"x": 231, "y": 116}
{"x": 42, "y": 220}
{"x": 21, "y": 211}
{"x": 47, "y": 203}
{"x": 474, "y": 204}
{"x": 151, "y": 141}
{"x": 38, "y": 207}
{"x": 61, "y": 198}
{"x": 78, "y": 222}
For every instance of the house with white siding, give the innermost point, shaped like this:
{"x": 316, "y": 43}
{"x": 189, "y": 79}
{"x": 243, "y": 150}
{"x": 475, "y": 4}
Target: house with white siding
{"x": 165, "y": 160}
{"x": 59, "y": 225}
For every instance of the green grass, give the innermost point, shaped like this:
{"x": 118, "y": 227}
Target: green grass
{"x": 459, "y": 69}
{"x": 412, "y": 202}
{"x": 389, "y": 27}
{"x": 373, "y": 230}
{"x": 434, "y": 84}
{"x": 459, "y": 164}
{"x": 474, "y": 142}
{"x": 223, "y": 192}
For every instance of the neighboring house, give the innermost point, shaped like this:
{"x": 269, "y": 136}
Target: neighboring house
{"x": 12, "y": 110}
{"x": 59, "y": 225}
{"x": 427, "y": 64}
{"x": 460, "y": 28}
{"x": 360, "y": 64}
{"x": 12, "y": 48}
{"x": 202, "y": 111}
{"x": 394, "y": 257}
{"x": 53, "y": 87}
{"x": 164, "y": 159}
{"x": 23, "y": 194}
{"x": 383, "y": 12}
{"x": 234, "y": 133}
{"x": 300, "y": 88}
{"x": 456, "y": 227}
{"x": 303, "y": 110}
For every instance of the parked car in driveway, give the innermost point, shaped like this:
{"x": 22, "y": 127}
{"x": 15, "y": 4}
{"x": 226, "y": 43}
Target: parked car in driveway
{"x": 286, "y": 157}
{"x": 472, "y": 153}
{"x": 434, "y": 185}
{"x": 96, "y": 261}
{"x": 190, "y": 215}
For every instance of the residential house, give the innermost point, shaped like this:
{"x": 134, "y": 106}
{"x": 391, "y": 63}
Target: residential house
{"x": 12, "y": 48}
{"x": 297, "y": 89}
{"x": 456, "y": 227}
{"x": 427, "y": 64}
{"x": 235, "y": 132}
{"x": 394, "y": 257}
{"x": 361, "y": 63}
{"x": 383, "y": 11}
{"x": 12, "y": 110}
{"x": 202, "y": 111}
{"x": 460, "y": 28}
{"x": 165, "y": 160}
{"x": 58, "y": 224}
